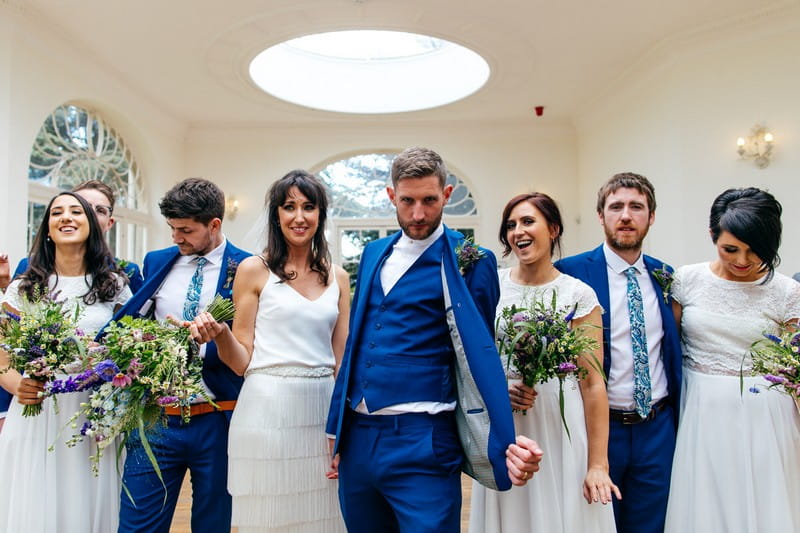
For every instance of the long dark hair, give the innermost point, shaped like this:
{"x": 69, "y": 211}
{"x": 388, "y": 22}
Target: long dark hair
{"x": 754, "y": 217}
{"x": 106, "y": 277}
{"x": 277, "y": 251}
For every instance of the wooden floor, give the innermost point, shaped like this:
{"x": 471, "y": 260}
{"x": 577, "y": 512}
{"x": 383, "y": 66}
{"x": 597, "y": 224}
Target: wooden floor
{"x": 181, "y": 521}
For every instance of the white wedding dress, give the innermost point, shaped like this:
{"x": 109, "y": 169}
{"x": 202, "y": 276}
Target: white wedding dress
{"x": 551, "y": 502}
{"x": 277, "y": 447}
{"x": 45, "y": 491}
{"x": 737, "y": 456}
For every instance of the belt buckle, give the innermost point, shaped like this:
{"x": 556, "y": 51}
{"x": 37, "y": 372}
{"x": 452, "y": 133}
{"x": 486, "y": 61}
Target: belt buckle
{"x": 632, "y": 418}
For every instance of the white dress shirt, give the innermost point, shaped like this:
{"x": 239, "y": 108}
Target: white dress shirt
{"x": 620, "y": 376}
{"x": 170, "y": 297}
{"x": 404, "y": 254}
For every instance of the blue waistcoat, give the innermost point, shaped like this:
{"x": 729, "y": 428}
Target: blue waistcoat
{"x": 405, "y": 337}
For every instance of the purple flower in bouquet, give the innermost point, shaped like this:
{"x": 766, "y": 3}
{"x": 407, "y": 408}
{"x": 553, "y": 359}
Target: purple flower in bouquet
{"x": 106, "y": 370}
{"x": 566, "y": 368}
{"x": 168, "y": 400}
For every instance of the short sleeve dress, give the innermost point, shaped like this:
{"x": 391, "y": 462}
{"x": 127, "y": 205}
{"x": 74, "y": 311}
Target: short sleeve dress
{"x": 44, "y": 491}
{"x": 737, "y": 455}
{"x": 553, "y": 500}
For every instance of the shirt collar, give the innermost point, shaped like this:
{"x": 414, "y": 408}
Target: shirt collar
{"x": 618, "y": 264}
{"x": 407, "y": 242}
{"x": 214, "y": 256}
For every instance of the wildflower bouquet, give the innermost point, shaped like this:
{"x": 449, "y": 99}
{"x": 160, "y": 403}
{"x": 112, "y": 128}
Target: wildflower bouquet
{"x": 43, "y": 340}
{"x": 777, "y": 358}
{"x": 538, "y": 340}
{"x": 146, "y": 365}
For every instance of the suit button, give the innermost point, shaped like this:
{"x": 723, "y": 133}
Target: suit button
{"x": 369, "y": 364}
{"x": 365, "y": 385}
{"x": 383, "y": 308}
{"x": 372, "y": 345}
{"x": 378, "y": 326}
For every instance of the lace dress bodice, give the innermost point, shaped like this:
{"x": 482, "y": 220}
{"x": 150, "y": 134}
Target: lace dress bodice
{"x": 721, "y": 319}
{"x": 569, "y": 291}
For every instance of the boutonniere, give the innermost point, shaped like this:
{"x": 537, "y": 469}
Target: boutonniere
{"x": 664, "y": 278}
{"x": 230, "y": 272}
{"x": 123, "y": 264}
{"x": 467, "y": 254}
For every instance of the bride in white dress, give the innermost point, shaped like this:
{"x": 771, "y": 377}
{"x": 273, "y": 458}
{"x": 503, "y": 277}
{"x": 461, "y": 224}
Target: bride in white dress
{"x": 41, "y": 490}
{"x": 737, "y": 456}
{"x": 572, "y": 490}
{"x": 288, "y": 338}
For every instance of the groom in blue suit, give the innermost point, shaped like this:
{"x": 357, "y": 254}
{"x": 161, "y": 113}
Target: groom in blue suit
{"x": 179, "y": 280}
{"x": 641, "y": 352}
{"x": 421, "y": 392}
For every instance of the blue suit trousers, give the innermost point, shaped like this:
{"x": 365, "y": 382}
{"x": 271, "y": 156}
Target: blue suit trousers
{"x": 640, "y": 461}
{"x": 400, "y": 473}
{"x": 200, "y": 446}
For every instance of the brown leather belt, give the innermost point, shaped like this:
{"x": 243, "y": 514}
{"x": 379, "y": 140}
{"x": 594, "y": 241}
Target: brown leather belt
{"x": 632, "y": 417}
{"x": 200, "y": 408}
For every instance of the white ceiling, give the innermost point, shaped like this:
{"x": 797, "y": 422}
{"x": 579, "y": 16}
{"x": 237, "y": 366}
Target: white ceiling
{"x": 191, "y": 56}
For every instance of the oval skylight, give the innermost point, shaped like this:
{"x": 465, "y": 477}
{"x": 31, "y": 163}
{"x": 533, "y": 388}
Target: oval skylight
{"x": 369, "y": 71}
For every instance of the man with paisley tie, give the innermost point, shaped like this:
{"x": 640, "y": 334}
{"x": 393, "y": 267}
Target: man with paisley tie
{"x": 179, "y": 281}
{"x": 641, "y": 349}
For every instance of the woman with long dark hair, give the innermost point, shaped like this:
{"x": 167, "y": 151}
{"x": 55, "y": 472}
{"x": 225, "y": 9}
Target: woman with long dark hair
{"x": 288, "y": 337}
{"x": 55, "y": 490}
{"x": 737, "y": 454}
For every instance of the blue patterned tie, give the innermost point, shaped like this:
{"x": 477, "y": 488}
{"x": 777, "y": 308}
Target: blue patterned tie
{"x": 641, "y": 368}
{"x": 192, "y": 304}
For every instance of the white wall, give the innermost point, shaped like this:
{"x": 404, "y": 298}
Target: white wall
{"x": 40, "y": 70}
{"x": 496, "y": 160}
{"x": 676, "y": 119}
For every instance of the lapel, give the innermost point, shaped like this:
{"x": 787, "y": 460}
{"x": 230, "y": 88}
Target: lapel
{"x": 372, "y": 259}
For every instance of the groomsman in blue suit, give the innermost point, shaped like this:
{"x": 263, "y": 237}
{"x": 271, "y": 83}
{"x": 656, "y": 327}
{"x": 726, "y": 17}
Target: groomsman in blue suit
{"x": 179, "y": 281}
{"x": 641, "y": 348}
{"x": 420, "y": 366}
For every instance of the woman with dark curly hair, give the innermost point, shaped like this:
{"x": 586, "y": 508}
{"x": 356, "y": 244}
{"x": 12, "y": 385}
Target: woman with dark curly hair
{"x": 737, "y": 454}
{"x": 52, "y": 490}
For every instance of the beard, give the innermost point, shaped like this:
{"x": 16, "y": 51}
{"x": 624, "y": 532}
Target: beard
{"x": 408, "y": 227}
{"x": 628, "y": 242}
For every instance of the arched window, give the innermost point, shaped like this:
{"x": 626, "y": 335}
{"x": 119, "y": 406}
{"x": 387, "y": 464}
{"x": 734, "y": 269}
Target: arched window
{"x": 75, "y": 145}
{"x": 360, "y": 210}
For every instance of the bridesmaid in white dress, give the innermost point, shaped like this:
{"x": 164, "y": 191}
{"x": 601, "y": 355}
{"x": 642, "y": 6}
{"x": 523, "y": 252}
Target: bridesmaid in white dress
{"x": 292, "y": 310}
{"x": 574, "y": 474}
{"x": 41, "y": 490}
{"x": 737, "y": 456}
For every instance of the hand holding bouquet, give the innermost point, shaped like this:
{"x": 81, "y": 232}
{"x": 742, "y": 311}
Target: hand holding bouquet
{"x": 540, "y": 343}
{"x": 42, "y": 341}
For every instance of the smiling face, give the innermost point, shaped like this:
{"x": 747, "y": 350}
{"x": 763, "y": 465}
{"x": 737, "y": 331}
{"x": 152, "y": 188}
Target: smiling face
{"x": 299, "y": 218}
{"x": 737, "y": 261}
{"x": 626, "y": 219}
{"x": 529, "y": 234}
{"x": 420, "y": 203}
{"x": 67, "y": 223}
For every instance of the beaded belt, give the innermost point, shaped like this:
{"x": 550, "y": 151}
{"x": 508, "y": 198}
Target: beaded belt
{"x": 293, "y": 371}
{"x": 200, "y": 408}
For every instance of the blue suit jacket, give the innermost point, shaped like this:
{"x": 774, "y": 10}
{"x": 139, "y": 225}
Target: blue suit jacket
{"x": 474, "y": 299}
{"x": 135, "y": 279}
{"x": 590, "y": 267}
{"x": 222, "y": 381}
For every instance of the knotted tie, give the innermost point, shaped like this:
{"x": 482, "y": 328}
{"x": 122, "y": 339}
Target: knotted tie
{"x": 641, "y": 368}
{"x": 192, "y": 304}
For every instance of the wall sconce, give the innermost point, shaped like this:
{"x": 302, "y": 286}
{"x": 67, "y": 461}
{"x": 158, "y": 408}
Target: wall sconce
{"x": 231, "y": 207}
{"x": 757, "y": 146}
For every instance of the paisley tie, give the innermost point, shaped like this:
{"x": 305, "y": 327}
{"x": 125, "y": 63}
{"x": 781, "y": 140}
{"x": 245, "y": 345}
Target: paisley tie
{"x": 192, "y": 304}
{"x": 641, "y": 368}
